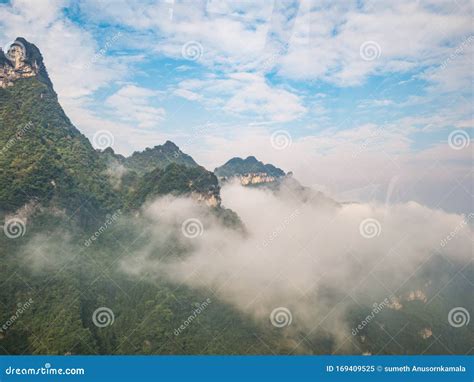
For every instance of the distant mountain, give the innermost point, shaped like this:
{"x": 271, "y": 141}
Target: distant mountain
{"x": 239, "y": 166}
{"x": 178, "y": 179}
{"x": 158, "y": 157}
{"x": 250, "y": 171}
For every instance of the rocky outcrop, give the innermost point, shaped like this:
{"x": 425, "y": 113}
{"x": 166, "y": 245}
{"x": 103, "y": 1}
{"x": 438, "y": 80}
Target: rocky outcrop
{"x": 249, "y": 171}
{"x": 21, "y": 60}
{"x": 211, "y": 199}
{"x": 257, "y": 178}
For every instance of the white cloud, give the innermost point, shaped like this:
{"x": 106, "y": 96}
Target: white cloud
{"x": 327, "y": 38}
{"x": 320, "y": 40}
{"x": 187, "y": 94}
{"x": 67, "y": 49}
{"x": 292, "y": 254}
{"x": 134, "y": 104}
{"x": 245, "y": 94}
{"x": 363, "y": 158}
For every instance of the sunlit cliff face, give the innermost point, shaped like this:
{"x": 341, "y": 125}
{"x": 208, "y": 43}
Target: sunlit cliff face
{"x": 14, "y": 67}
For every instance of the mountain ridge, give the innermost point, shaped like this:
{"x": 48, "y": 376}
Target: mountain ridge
{"x": 45, "y": 159}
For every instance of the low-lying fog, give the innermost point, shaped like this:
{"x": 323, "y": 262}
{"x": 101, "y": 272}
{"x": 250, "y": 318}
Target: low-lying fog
{"x": 312, "y": 257}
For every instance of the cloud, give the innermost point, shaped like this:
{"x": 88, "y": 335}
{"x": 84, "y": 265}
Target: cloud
{"x": 67, "y": 49}
{"x": 245, "y": 94}
{"x": 134, "y": 104}
{"x": 335, "y": 33}
{"x": 291, "y": 254}
{"x": 367, "y": 157}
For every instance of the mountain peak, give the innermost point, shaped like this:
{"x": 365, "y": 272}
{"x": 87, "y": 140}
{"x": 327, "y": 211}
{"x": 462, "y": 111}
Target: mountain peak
{"x": 22, "y": 59}
{"x": 159, "y": 156}
{"x": 251, "y": 159}
{"x": 171, "y": 145}
{"x": 251, "y": 165}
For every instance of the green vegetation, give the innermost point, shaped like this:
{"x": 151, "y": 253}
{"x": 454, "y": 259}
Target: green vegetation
{"x": 239, "y": 166}
{"x": 175, "y": 179}
{"x": 44, "y": 157}
{"x": 158, "y": 157}
{"x": 68, "y": 282}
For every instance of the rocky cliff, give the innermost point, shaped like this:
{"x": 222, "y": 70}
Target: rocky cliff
{"x": 21, "y": 60}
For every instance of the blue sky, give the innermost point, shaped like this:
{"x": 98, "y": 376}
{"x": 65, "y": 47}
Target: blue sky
{"x": 360, "y": 93}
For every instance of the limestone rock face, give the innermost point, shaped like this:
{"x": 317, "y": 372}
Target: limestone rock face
{"x": 21, "y": 60}
{"x": 256, "y": 178}
{"x": 210, "y": 199}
